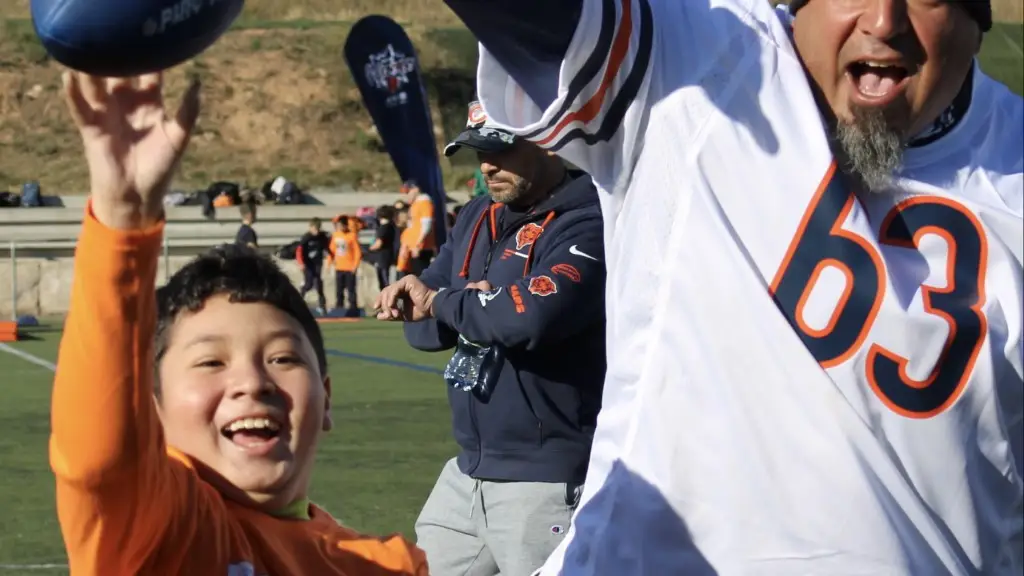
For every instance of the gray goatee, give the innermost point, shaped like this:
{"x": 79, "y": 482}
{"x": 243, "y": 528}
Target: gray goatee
{"x": 869, "y": 149}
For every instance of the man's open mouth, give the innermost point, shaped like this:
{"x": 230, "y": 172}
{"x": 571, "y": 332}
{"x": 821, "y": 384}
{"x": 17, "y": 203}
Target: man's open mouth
{"x": 877, "y": 79}
{"x": 251, "y": 431}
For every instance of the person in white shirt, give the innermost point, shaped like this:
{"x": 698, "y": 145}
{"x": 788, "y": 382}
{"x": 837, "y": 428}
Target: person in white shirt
{"x": 813, "y": 222}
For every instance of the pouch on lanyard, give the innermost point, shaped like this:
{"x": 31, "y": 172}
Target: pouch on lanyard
{"x": 474, "y": 368}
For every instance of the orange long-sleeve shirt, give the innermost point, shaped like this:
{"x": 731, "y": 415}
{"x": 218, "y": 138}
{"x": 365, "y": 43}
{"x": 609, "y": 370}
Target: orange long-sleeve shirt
{"x": 126, "y": 503}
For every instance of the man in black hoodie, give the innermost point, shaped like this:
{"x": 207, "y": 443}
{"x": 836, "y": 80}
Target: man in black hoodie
{"x": 518, "y": 292}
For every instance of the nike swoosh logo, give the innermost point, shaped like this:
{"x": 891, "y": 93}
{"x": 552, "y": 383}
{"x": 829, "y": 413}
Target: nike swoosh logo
{"x": 576, "y": 252}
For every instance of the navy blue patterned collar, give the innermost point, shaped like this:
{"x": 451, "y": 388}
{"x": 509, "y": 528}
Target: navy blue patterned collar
{"x": 949, "y": 118}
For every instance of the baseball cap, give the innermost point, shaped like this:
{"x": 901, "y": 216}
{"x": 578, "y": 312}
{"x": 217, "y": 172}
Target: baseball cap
{"x": 480, "y": 134}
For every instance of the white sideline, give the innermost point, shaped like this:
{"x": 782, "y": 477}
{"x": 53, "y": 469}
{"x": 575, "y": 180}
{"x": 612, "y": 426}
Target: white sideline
{"x": 51, "y": 367}
{"x": 29, "y": 358}
{"x": 1013, "y": 44}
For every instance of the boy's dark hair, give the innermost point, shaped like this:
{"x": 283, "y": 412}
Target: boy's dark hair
{"x": 247, "y": 209}
{"x": 244, "y": 276}
{"x": 314, "y": 223}
{"x": 386, "y": 211}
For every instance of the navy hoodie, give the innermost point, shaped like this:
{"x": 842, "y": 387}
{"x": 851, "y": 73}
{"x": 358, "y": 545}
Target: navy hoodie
{"x": 546, "y": 308}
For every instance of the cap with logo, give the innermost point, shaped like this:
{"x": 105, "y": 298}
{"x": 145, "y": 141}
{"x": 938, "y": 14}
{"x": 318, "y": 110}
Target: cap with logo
{"x": 480, "y": 134}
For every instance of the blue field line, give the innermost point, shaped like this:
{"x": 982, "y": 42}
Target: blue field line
{"x": 385, "y": 361}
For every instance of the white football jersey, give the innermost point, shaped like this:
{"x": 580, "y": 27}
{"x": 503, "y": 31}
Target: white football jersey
{"x": 801, "y": 379}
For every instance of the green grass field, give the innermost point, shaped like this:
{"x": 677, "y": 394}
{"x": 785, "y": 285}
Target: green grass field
{"x": 374, "y": 469}
{"x": 1002, "y": 55}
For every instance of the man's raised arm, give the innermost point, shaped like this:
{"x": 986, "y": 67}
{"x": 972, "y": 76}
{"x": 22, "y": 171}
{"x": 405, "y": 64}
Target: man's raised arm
{"x": 525, "y": 36}
{"x": 568, "y": 75}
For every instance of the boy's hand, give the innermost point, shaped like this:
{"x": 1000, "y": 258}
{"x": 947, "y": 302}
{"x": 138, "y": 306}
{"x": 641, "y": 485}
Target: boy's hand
{"x": 131, "y": 144}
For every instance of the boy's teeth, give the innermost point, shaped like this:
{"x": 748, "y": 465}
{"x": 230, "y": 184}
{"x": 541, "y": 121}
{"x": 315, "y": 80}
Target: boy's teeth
{"x": 252, "y": 424}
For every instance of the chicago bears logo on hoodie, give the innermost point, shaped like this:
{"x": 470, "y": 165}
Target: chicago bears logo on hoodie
{"x": 527, "y": 235}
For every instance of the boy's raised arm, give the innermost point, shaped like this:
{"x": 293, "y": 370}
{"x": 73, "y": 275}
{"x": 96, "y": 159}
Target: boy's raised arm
{"x": 105, "y": 446}
{"x": 117, "y": 492}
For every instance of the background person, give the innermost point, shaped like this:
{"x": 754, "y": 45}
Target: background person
{"x": 384, "y": 246}
{"x": 521, "y": 277}
{"x": 347, "y": 256}
{"x": 421, "y": 221}
{"x": 314, "y": 247}
{"x": 406, "y": 239}
{"x": 246, "y": 235}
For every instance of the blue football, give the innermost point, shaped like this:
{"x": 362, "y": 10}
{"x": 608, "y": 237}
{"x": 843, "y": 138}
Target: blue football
{"x": 120, "y": 38}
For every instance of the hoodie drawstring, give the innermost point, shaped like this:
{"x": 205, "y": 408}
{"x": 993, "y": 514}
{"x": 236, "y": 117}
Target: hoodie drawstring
{"x": 464, "y": 273}
{"x": 491, "y": 216}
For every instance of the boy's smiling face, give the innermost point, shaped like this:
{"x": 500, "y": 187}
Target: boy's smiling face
{"x": 241, "y": 393}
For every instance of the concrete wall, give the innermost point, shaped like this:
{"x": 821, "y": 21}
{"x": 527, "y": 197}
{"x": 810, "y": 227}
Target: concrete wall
{"x": 44, "y": 284}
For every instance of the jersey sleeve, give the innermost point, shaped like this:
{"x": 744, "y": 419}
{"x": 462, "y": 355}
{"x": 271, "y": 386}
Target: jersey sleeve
{"x": 122, "y": 503}
{"x": 588, "y": 103}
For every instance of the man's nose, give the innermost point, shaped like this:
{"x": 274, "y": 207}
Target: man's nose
{"x": 486, "y": 168}
{"x": 884, "y": 19}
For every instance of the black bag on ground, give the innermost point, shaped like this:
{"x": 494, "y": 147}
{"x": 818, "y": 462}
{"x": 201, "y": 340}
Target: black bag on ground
{"x": 290, "y": 194}
{"x": 231, "y": 189}
{"x": 9, "y": 200}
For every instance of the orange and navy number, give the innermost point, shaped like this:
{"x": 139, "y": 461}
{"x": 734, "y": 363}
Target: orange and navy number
{"x": 821, "y": 242}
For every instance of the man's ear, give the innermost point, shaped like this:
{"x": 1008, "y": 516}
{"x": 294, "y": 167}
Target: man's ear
{"x": 328, "y": 421}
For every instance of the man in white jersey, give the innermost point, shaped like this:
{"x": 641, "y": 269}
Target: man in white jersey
{"x": 814, "y": 241}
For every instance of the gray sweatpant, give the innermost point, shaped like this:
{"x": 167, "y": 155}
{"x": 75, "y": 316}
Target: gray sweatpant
{"x": 474, "y": 527}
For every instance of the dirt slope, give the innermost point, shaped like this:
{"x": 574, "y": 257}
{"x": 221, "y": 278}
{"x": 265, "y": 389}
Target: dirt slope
{"x": 278, "y": 99}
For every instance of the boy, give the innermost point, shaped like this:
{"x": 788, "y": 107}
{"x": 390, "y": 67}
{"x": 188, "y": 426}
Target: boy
{"x": 199, "y": 464}
{"x": 383, "y": 247}
{"x": 314, "y": 246}
{"x": 347, "y": 256}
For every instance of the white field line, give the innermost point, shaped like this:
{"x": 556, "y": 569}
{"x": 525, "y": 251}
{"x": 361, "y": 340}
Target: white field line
{"x": 28, "y": 357}
{"x": 1013, "y": 44}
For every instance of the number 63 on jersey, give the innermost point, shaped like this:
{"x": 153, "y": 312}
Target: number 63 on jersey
{"x": 821, "y": 243}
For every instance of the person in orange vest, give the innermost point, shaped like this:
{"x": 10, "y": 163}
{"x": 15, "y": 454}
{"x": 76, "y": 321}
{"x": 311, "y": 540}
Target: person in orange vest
{"x": 347, "y": 256}
{"x": 186, "y": 420}
{"x": 423, "y": 243}
{"x": 403, "y": 263}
